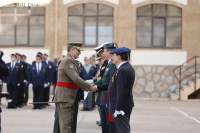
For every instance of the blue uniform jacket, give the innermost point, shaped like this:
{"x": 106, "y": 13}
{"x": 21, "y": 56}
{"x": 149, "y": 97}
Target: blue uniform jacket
{"x": 3, "y": 70}
{"x": 120, "y": 89}
{"x": 13, "y": 74}
{"x": 92, "y": 72}
{"x": 51, "y": 71}
{"x": 38, "y": 78}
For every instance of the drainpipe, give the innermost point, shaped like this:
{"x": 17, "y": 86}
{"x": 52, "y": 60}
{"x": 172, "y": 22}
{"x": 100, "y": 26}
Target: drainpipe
{"x": 56, "y": 29}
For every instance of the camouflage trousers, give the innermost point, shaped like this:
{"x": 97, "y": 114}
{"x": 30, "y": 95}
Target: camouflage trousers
{"x": 67, "y": 117}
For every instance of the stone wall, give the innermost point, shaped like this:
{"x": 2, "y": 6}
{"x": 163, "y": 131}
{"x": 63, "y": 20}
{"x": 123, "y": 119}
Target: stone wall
{"x": 160, "y": 81}
{"x": 155, "y": 82}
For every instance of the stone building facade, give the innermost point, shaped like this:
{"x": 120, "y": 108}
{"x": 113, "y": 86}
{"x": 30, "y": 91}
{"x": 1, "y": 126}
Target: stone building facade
{"x": 162, "y": 34}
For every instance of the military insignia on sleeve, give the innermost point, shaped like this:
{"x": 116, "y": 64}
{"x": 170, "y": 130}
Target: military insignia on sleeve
{"x": 71, "y": 66}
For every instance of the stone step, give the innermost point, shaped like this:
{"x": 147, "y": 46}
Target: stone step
{"x": 186, "y": 91}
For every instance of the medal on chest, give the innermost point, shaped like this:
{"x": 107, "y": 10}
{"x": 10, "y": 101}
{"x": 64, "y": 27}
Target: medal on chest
{"x": 113, "y": 78}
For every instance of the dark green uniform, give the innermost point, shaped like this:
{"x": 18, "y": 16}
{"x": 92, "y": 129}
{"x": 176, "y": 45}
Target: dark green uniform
{"x": 102, "y": 85}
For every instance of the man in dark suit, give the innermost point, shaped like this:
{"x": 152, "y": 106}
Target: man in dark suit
{"x": 3, "y": 68}
{"x": 3, "y": 74}
{"x": 51, "y": 68}
{"x": 22, "y": 80}
{"x": 120, "y": 91}
{"x": 3, "y": 71}
{"x": 39, "y": 81}
{"x": 13, "y": 82}
{"x": 27, "y": 68}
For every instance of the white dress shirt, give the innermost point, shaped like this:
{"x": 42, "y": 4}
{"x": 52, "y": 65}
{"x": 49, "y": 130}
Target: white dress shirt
{"x": 119, "y": 65}
{"x": 38, "y": 66}
{"x": 12, "y": 64}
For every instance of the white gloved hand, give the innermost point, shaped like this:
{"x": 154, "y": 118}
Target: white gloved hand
{"x": 85, "y": 94}
{"x": 18, "y": 84}
{"x": 4, "y": 84}
{"x": 45, "y": 85}
{"x": 30, "y": 85}
{"x": 118, "y": 113}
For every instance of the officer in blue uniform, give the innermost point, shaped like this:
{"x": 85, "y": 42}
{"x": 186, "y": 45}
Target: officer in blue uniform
{"x": 120, "y": 91}
{"x": 39, "y": 81}
{"x": 51, "y": 68}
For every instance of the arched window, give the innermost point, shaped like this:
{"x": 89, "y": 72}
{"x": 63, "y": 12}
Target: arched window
{"x": 22, "y": 26}
{"x": 90, "y": 24}
{"x": 159, "y": 26}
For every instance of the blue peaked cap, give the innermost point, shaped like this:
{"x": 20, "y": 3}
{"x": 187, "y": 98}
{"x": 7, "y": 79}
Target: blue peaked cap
{"x": 121, "y": 50}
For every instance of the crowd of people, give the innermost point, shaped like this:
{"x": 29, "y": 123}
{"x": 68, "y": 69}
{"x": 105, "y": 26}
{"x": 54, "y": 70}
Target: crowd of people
{"x": 111, "y": 78}
{"x": 104, "y": 80}
{"x": 40, "y": 76}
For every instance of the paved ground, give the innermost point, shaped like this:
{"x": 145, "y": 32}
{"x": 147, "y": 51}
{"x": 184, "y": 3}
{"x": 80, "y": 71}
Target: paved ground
{"x": 147, "y": 117}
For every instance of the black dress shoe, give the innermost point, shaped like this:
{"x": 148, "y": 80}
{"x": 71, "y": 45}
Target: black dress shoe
{"x": 98, "y": 123}
{"x": 42, "y": 106}
{"x": 48, "y": 104}
{"x": 34, "y": 108}
{"x": 11, "y": 107}
{"x": 21, "y": 106}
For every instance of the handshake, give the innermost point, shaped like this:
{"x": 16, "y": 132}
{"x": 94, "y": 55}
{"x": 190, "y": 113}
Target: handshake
{"x": 93, "y": 88}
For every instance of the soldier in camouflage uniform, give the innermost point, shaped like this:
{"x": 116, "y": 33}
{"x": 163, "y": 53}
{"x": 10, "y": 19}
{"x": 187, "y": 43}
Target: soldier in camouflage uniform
{"x": 68, "y": 84}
